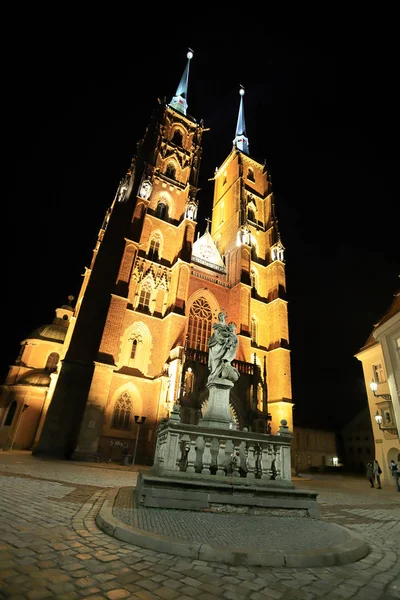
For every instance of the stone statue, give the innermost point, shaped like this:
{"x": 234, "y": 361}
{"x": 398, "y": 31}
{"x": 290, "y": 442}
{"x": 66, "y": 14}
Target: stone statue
{"x": 222, "y": 347}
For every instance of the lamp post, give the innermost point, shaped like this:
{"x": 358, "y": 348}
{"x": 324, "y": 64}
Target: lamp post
{"x": 139, "y": 421}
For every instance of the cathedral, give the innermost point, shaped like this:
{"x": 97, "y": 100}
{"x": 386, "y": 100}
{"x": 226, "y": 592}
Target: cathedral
{"x": 135, "y": 343}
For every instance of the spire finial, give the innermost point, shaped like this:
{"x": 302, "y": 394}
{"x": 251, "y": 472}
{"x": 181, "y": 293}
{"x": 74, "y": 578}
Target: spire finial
{"x": 179, "y": 102}
{"x": 241, "y": 141}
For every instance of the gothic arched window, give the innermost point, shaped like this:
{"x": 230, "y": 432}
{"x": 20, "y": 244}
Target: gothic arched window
{"x": 122, "y": 412}
{"x": 52, "y": 362}
{"x": 145, "y": 294}
{"x": 133, "y": 349}
{"x": 11, "y": 413}
{"x": 253, "y": 330}
{"x": 170, "y": 171}
{"x": 154, "y": 249}
{"x": 162, "y": 210}
{"x": 199, "y": 328}
{"x": 177, "y": 139}
{"x": 250, "y": 174}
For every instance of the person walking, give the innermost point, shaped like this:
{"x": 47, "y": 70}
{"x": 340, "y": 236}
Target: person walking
{"x": 377, "y": 474}
{"x": 370, "y": 473}
{"x": 395, "y": 474}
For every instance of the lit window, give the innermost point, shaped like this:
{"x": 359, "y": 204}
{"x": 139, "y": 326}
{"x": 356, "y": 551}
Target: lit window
{"x": 199, "y": 328}
{"x": 145, "y": 294}
{"x": 122, "y": 412}
{"x": 154, "y": 249}
{"x": 378, "y": 373}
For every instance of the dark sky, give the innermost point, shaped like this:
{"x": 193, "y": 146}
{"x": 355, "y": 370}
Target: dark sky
{"x": 322, "y": 109}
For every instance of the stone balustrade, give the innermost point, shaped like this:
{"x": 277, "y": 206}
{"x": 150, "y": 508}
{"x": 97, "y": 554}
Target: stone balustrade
{"x": 251, "y": 458}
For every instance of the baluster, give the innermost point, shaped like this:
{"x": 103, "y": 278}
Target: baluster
{"x": 206, "y": 457}
{"x": 251, "y": 462}
{"x": 278, "y": 462}
{"x": 236, "y": 459}
{"x": 182, "y": 457}
{"x": 221, "y": 458}
{"x": 191, "y": 459}
{"x": 243, "y": 456}
{"x": 200, "y": 445}
{"x": 266, "y": 462}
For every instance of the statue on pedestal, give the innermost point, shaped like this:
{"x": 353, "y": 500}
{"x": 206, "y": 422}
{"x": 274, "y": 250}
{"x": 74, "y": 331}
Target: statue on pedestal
{"x": 222, "y": 347}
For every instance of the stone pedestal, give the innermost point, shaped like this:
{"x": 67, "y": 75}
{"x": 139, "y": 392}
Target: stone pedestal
{"x": 218, "y": 415}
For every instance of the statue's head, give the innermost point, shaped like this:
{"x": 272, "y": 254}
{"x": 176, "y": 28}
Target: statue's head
{"x": 232, "y": 326}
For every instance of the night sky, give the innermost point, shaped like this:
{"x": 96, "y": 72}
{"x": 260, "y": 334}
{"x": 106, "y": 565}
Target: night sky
{"x": 324, "y": 116}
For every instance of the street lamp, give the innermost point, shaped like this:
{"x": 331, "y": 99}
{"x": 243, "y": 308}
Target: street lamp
{"x": 378, "y": 417}
{"x": 374, "y": 386}
{"x": 139, "y": 421}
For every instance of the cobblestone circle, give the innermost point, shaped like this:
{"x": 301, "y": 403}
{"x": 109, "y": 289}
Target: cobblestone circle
{"x": 50, "y": 546}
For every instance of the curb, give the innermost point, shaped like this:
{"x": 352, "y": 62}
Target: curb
{"x": 348, "y": 552}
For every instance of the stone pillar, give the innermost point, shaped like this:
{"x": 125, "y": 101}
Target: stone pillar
{"x": 218, "y": 415}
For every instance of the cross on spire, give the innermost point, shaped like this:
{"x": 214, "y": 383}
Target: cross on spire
{"x": 208, "y": 222}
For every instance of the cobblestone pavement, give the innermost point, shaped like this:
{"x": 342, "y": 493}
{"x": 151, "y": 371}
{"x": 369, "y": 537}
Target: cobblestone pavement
{"x": 225, "y": 529}
{"x": 50, "y": 546}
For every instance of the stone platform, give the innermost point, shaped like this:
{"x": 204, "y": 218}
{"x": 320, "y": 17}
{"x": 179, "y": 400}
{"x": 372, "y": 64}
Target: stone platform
{"x": 216, "y": 494}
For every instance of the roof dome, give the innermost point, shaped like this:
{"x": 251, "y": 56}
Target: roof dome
{"x": 53, "y": 332}
{"x": 36, "y": 377}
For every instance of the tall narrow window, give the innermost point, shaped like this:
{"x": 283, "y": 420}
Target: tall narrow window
{"x": 11, "y": 413}
{"x": 199, "y": 328}
{"x": 162, "y": 210}
{"x": 134, "y": 348}
{"x": 251, "y": 215}
{"x": 170, "y": 171}
{"x": 378, "y": 373}
{"x": 250, "y": 174}
{"x": 154, "y": 250}
{"x": 52, "y": 362}
{"x": 253, "y": 330}
{"x": 177, "y": 139}
{"x": 122, "y": 412}
{"x": 145, "y": 295}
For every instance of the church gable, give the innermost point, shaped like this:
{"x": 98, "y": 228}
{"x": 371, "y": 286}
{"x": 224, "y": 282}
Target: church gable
{"x": 206, "y": 253}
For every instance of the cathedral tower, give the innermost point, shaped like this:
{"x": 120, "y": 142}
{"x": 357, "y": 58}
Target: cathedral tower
{"x": 137, "y": 341}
